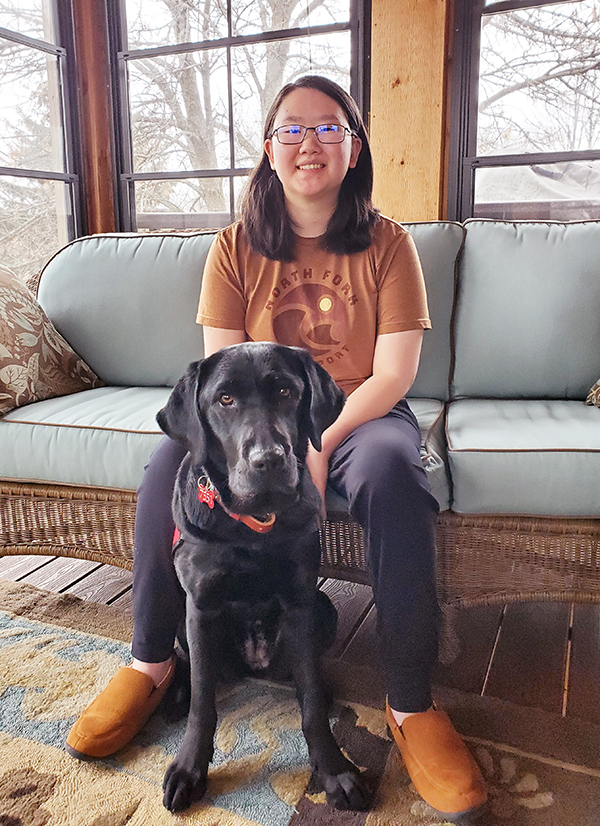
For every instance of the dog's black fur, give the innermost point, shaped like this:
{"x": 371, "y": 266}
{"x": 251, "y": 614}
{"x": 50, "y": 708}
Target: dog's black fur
{"x": 245, "y": 415}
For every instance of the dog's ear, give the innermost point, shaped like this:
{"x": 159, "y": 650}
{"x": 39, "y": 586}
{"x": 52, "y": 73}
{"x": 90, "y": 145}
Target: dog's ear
{"x": 180, "y": 417}
{"x": 325, "y": 400}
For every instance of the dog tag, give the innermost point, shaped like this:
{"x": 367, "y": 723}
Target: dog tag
{"x": 206, "y": 493}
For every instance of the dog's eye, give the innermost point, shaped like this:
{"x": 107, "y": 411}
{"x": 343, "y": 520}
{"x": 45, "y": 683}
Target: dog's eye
{"x": 226, "y": 400}
{"x": 285, "y": 393}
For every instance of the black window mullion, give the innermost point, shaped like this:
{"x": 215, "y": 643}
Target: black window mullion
{"x": 464, "y": 93}
{"x": 63, "y": 27}
{"x": 31, "y": 42}
{"x": 127, "y": 185}
{"x": 360, "y": 64}
{"x": 236, "y": 40}
{"x": 188, "y": 173}
{"x": 232, "y": 161}
{"x": 356, "y": 27}
{"x": 533, "y": 158}
{"x": 516, "y": 5}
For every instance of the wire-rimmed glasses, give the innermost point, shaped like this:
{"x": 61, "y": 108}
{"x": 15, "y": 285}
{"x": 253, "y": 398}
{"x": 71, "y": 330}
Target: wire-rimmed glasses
{"x": 325, "y": 133}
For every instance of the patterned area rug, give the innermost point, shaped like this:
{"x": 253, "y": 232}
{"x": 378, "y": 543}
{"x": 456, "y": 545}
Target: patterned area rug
{"x": 57, "y": 652}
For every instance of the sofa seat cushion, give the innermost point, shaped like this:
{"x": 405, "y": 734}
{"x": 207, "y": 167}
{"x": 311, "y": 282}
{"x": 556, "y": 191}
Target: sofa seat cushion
{"x": 104, "y": 437}
{"x": 524, "y": 457}
{"x": 430, "y": 415}
{"x": 101, "y": 438}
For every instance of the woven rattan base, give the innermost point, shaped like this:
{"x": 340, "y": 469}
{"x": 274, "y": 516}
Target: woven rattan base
{"x": 87, "y": 523}
{"x": 498, "y": 559}
{"x": 481, "y": 559}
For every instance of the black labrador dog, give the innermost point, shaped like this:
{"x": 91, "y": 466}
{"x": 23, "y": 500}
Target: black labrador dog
{"x": 248, "y": 551}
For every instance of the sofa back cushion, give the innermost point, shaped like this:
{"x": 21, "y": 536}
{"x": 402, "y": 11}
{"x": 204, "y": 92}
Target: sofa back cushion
{"x": 438, "y": 244}
{"x": 127, "y": 303}
{"x": 527, "y": 319}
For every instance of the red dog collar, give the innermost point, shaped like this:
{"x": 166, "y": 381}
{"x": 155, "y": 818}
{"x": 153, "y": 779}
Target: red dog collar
{"x": 207, "y": 493}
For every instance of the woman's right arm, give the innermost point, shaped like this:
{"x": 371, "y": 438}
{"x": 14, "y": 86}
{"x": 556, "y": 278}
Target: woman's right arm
{"x": 215, "y": 338}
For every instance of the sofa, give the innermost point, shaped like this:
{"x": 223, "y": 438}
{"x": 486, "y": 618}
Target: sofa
{"x": 511, "y": 449}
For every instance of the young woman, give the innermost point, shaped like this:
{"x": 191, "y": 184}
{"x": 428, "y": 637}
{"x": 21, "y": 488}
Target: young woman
{"x": 313, "y": 264}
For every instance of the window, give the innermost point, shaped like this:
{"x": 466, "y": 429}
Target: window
{"x": 37, "y": 181}
{"x": 525, "y": 139}
{"x": 196, "y": 80}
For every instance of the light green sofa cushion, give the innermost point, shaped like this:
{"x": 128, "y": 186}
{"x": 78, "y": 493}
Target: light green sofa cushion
{"x": 528, "y": 314}
{"x": 438, "y": 244}
{"x": 104, "y": 438}
{"x": 127, "y": 304}
{"x": 101, "y": 437}
{"x": 528, "y": 457}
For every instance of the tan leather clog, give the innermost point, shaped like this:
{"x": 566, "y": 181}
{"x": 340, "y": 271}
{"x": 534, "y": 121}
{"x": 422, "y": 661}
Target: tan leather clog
{"x": 439, "y": 764}
{"x": 117, "y": 714}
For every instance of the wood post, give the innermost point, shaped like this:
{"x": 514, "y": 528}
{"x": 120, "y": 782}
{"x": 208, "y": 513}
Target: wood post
{"x": 94, "y": 92}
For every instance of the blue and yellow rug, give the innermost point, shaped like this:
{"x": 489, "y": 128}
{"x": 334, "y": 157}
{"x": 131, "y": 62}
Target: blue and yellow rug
{"x": 57, "y": 652}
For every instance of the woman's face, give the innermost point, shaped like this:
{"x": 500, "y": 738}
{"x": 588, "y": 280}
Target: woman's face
{"x": 311, "y": 171}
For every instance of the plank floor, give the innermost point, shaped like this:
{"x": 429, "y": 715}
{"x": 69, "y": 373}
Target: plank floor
{"x": 542, "y": 655}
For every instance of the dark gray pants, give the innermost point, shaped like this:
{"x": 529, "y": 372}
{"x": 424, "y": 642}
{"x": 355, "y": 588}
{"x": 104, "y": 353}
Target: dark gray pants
{"x": 378, "y": 469}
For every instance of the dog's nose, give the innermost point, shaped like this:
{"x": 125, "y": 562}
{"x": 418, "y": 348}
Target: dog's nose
{"x": 263, "y": 460}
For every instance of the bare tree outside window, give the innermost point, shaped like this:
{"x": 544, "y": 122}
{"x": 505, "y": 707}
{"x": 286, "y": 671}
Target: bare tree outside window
{"x": 539, "y": 80}
{"x": 200, "y": 109}
{"x": 30, "y": 17}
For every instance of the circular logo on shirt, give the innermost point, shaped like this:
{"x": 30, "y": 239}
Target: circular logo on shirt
{"x": 312, "y": 316}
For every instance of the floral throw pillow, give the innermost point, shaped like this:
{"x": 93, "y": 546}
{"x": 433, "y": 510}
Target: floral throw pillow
{"x": 594, "y": 395}
{"x": 35, "y": 360}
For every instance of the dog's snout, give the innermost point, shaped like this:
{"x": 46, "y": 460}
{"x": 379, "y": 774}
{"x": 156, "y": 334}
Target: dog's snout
{"x": 266, "y": 460}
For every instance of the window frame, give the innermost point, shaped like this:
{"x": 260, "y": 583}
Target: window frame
{"x": 63, "y": 50}
{"x": 358, "y": 26}
{"x": 463, "y": 160}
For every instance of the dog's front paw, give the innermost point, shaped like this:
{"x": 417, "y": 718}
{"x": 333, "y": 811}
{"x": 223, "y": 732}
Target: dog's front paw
{"x": 346, "y": 791}
{"x": 182, "y": 787}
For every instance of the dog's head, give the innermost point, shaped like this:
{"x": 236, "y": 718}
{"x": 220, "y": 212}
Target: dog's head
{"x": 246, "y": 413}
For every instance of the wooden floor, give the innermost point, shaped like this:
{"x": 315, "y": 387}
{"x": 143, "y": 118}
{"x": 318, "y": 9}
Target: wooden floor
{"x": 544, "y": 655}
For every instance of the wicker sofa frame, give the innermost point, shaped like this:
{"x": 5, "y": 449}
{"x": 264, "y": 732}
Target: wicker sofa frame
{"x": 482, "y": 559}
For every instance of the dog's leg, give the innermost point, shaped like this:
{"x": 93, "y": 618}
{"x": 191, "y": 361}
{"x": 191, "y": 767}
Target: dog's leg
{"x": 176, "y": 703}
{"x": 340, "y": 778}
{"x": 185, "y": 780}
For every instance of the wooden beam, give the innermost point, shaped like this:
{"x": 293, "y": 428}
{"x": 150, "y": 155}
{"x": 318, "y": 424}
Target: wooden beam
{"x": 407, "y": 129}
{"x": 94, "y": 94}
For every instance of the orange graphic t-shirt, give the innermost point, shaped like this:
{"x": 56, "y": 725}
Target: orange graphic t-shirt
{"x": 334, "y": 306}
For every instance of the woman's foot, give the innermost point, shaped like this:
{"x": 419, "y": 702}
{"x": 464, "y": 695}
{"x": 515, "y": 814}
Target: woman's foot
{"x": 120, "y": 711}
{"x": 157, "y": 671}
{"x": 439, "y": 764}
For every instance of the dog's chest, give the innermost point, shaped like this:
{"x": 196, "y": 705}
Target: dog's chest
{"x": 253, "y": 581}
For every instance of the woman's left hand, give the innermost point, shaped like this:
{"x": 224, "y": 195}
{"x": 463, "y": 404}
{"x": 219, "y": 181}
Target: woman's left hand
{"x": 318, "y": 466}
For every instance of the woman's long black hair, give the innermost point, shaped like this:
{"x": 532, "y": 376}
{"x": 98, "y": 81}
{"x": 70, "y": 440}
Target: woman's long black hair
{"x": 264, "y": 214}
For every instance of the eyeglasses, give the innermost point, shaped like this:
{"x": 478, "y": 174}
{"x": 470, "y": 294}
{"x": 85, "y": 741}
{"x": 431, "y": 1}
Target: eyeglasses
{"x": 325, "y": 133}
